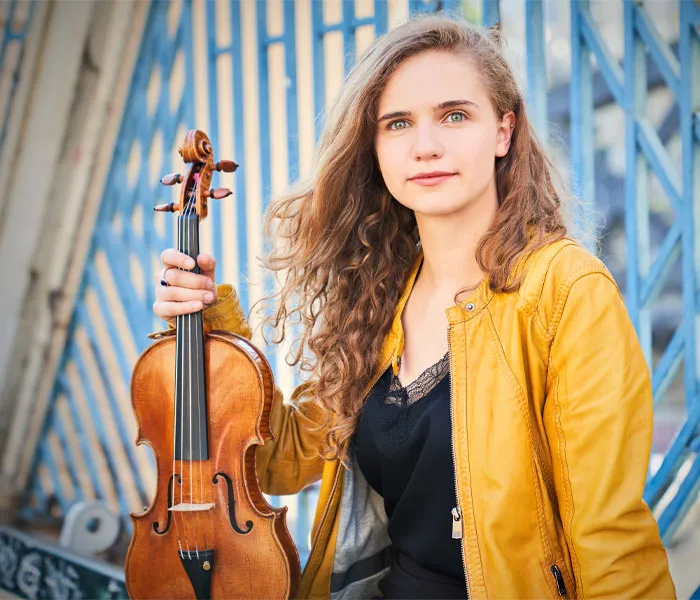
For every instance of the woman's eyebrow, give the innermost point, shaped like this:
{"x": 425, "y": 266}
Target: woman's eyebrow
{"x": 436, "y": 108}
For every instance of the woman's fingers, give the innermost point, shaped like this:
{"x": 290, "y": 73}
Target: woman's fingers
{"x": 180, "y": 294}
{"x": 186, "y": 279}
{"x": 179, "y": 290}
{"x": 207, "y": 266}
{"x": 173, "y": 301}
{"x": 169, "y": 310}
{"x": 177, "y": 268}
{"x": 173, "y": 258}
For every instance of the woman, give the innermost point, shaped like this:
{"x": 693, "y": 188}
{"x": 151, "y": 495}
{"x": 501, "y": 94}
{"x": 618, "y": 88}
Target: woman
{"x": 479, "y": 410}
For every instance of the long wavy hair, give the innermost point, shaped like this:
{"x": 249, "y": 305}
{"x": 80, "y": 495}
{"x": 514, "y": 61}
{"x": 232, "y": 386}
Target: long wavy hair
{"x": 345, "y": 246}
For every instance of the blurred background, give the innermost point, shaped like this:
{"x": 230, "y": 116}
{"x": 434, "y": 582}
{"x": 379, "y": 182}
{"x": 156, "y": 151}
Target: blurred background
{"x": 95, "y": 97}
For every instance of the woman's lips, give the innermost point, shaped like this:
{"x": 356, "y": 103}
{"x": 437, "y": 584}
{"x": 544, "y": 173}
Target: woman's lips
{"x": 430, "y": 180}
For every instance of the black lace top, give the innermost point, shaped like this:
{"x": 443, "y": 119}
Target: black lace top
{"x": 403, "y": 447}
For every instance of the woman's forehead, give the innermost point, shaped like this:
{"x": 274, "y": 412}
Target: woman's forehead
{"x": 429, "y": 79}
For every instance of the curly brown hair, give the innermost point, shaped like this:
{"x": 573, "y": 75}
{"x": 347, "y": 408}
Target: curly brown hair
{"x": 345, "y": 246}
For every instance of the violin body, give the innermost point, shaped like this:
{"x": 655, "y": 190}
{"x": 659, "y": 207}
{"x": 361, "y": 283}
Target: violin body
{"x": 260, "y": 559}
{"x": 202, "y": 402}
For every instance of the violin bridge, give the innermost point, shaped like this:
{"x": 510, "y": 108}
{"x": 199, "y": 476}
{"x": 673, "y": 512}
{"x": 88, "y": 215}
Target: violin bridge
{"x": 188, "y": 507}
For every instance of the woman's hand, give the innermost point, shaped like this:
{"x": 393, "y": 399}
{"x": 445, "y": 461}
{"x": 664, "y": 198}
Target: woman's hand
{"x": 180, "y": 292}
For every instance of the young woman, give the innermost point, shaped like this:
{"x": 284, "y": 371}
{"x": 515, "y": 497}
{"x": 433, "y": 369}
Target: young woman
{"x": 479, "y": 410}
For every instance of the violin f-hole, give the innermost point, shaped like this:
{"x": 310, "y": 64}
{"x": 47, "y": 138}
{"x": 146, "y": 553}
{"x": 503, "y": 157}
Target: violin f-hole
{"x": 170, "y": 503}
{"x": 232, "y": 505}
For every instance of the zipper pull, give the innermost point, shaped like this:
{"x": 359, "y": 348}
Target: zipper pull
{"x": 559, "y": 578}
{"x": 456, "y": 524}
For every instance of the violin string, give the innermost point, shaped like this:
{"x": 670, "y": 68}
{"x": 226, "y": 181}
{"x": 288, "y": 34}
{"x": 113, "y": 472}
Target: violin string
{"x": 188, "y": 250}
{"x": 199, "y": 343}
{"x": 178, "y": 399}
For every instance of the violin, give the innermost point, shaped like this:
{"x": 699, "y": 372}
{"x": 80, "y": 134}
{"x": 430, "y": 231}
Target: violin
{"x": 202, "y": 401}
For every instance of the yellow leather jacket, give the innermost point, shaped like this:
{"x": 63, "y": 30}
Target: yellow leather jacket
{"x": 551, "y": 426}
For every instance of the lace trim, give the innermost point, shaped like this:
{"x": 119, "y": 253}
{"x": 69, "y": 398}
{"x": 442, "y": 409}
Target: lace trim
{"x": 420, "y": 387}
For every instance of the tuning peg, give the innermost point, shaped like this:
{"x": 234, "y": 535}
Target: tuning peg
{"x": 165, "y": 207}
{"x": 219, "y": 193}
{"x": 171, "y": 179}
{"x": 227, "y": 166}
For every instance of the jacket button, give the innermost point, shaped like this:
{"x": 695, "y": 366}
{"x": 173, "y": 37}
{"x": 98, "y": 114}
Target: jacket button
{"x": 470, "y": 307}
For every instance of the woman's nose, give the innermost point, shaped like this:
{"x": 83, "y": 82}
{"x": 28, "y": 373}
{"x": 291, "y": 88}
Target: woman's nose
{"x": 427, "y": 144}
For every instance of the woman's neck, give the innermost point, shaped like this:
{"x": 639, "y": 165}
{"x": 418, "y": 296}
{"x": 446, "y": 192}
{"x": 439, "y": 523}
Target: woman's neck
{"x": 449, "y": 245}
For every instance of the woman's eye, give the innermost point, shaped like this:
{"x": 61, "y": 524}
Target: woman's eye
{"x": 401, "y": 124}
{"x": 456, "y": 117}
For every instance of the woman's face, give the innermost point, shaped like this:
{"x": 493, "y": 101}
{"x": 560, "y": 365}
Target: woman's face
{"x": 438, "y": 136}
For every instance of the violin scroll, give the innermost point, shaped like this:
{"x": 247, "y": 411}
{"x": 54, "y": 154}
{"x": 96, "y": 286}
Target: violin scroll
{"x": 196, "y": 150}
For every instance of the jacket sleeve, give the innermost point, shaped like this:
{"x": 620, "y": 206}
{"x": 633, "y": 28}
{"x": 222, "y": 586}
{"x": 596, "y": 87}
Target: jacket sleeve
{"x": 598, "y": 417}
{"x": 290, "y": 461}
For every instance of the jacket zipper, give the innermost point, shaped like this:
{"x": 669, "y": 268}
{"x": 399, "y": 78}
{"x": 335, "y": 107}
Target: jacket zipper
{"x": 337, "y": 478}
{"x": 457, "y": 523}
{"x": 559, "y": 579}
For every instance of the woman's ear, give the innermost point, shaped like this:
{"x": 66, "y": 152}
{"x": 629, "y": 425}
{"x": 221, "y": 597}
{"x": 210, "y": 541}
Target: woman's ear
{"x": 505, "y": 134}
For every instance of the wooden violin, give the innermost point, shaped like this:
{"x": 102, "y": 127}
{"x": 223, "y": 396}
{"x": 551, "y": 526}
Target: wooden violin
{"x": 202, "y": 401}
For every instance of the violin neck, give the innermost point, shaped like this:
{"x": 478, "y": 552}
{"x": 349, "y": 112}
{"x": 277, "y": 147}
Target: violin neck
{"x": 191, "y": 435}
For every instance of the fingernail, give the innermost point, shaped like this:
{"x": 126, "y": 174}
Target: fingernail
{"x": 208, "y": 297}
{"x": 189, "y": 263}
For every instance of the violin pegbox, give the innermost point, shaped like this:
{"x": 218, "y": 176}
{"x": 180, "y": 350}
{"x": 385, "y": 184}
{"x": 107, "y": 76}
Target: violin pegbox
{"x": 197, "y": 151}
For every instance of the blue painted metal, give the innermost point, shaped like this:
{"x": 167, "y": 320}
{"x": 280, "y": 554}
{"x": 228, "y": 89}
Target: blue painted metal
{"x": 70, "y": 460}
{"x": 667, "y": 366}
{"x": 10, "y": 35}
{"x": 115, "y": 413}
{"x": 290, "y": 42}
{"x": 431, "y": 6}
{"x": 636, "y": 195}
{"x": 659, "y": 160}
{"x": 264, "y": 103}
{"x": 239, "y": 146}
{"x": 667, "y": 255}
{"x": 661, "y": 53}
{"x": 348, "y": 28}
{"x": 214, "y": 131}
{"x": 97, "y": 424}
{"x": 536, "y": 66}
{"x": 581, "y": 101}
{"x": 48, "y": 459}
{"x": 62, "y": 386}
{"x": 609, "y": 68}
{"x": 381, "y": 17}
{"x": 491, "y": 14}
{"x": 319, "y": 67}
{"x": 213, "y": 52}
